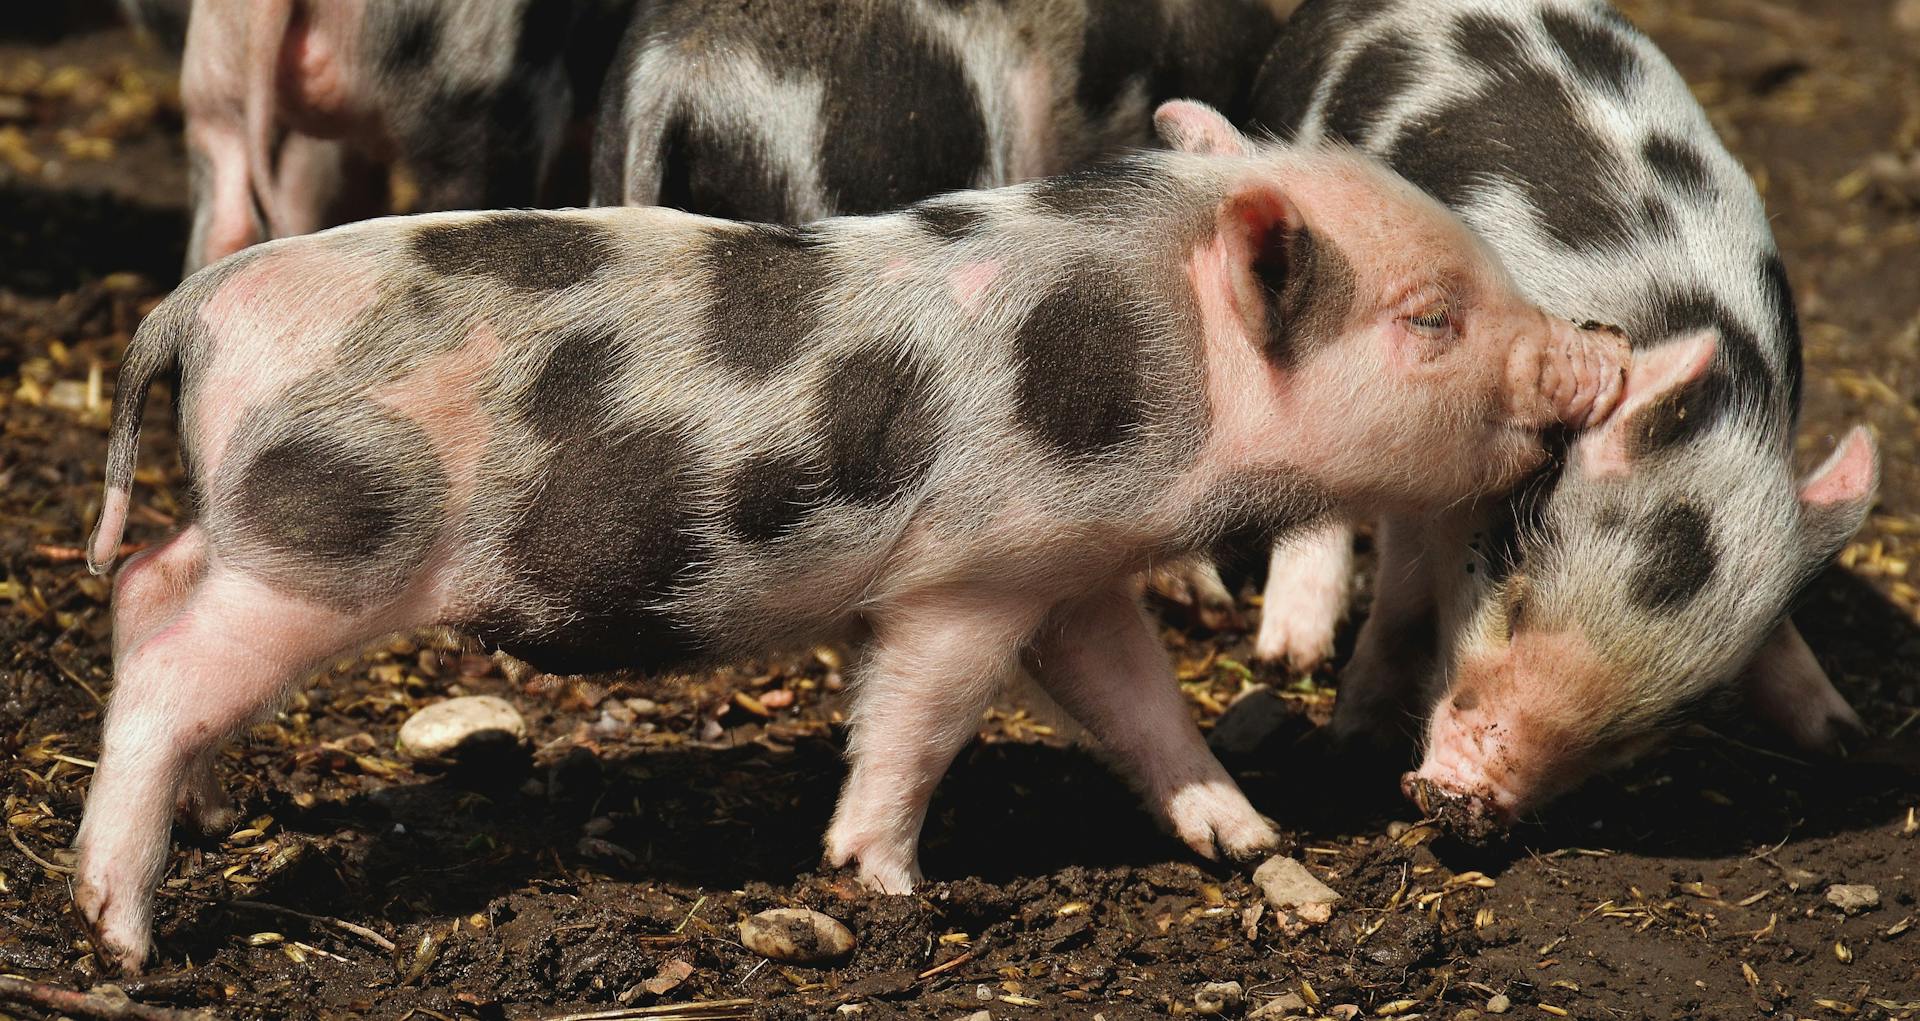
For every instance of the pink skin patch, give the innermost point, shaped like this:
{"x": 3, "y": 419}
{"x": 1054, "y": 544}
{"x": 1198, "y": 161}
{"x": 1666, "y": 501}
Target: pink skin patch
{"x": 897, "y": 269}
{"x": 970, "y": 284}
{"x": 269, "y": 330}
{"x": 1030, "y": 88}
{"x": 442, "y": 397}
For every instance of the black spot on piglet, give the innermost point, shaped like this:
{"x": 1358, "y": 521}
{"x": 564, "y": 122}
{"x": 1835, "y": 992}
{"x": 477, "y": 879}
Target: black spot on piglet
{"x": 340, "y": 502}
{"x": 1597, "y": 53}
{"x": 1494, "y": 43}
{"x": 949, "y": 221}
{"x": 1678, "y": 164}
{"x": 533, "y": 251}
{"x": 569, "y": 398}
{"x": 1677, "y": 559}
{"x": 608, "y": 535}
{"x": 1078, "y": 355}
{"x": 876, "y": 414}
{"x": 770, "y": 495}
{"x": 762, "y": 282}
{"x": 1105, "y": 189}
{"x": 1380, "y": 73}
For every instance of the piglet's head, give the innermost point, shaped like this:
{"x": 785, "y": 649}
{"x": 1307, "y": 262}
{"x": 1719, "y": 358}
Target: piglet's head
{"x": 1394, "y": 360}
{"x": 1648, "y": 595}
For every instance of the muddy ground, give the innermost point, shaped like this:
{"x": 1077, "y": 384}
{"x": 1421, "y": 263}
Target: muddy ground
{"x": 609, "y": 868}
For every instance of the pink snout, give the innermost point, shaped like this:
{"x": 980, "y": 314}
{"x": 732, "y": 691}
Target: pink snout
{"x": 1575, "y": 378}
{"x": 1464, "y": 779}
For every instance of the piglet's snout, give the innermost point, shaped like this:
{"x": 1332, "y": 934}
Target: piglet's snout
{"x": 1571, "y": 375}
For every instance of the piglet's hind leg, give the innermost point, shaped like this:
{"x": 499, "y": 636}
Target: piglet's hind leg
{"x": 1103, "y": 662}
{"x": 232, "y": 650}
{"x": 148, "y": 594}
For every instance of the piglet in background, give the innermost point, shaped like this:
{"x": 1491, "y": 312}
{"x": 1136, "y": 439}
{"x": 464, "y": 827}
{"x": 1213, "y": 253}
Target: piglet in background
{"x": 295, "y": 109}
{"x": 1566, "y": 631}
{"x": 630, "y": 437}
{"x": 785, "y": 113}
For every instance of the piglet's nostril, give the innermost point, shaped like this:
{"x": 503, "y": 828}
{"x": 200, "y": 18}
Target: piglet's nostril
{"x": 1465, "y": 702}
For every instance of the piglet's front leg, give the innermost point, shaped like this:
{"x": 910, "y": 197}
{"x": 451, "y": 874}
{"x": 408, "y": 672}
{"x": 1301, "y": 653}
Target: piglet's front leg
{"x": 1101, "y": 659}
{"x": 936, "y": 662}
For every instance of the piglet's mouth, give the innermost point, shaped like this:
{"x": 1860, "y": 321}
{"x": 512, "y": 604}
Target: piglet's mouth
{"x": 1469, "y": 817}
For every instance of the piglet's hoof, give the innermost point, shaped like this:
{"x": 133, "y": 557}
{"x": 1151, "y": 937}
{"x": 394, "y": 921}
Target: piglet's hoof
{"x": 119, "y": 943}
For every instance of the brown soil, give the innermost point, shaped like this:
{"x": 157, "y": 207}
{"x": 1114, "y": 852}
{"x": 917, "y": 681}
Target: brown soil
{"x": 1690, "y": 886}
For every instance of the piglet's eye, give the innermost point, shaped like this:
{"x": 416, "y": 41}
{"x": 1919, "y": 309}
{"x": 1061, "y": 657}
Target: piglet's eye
{"x": 1434, "y": 323}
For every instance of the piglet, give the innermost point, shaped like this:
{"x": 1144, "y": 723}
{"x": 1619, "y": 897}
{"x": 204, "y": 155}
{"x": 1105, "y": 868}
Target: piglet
{"x": 785, "y": 113}
{"x": 1549, "y": 638}
{"x": 628, "y": 438}
{"x": 295, "y": 108}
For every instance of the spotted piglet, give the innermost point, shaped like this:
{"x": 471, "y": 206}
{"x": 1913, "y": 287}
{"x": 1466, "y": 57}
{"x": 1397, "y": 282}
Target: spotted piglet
{"x": 785, "y": 113}
{"x": 642, "y": 438}
{"x": 1649, "y": 579}
{"x": 294, "y": 108}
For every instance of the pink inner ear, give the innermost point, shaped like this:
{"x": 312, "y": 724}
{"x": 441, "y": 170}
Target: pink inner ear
{"x": 1252, "y": 218}
{"x": 1666, "y": 368}
{"x": 1653, "y": 374}
{"x": 1847, "y": 476}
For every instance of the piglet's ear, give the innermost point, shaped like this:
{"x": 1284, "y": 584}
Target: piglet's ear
{"x": 1835, "y": 498}
{"x": 1787, "y": 688}
{"x": 1242, "y": 275}
{"x": 1657, "y": 382}
{"x": 1258, "y": 227}
{"x": 1198, "y": 128}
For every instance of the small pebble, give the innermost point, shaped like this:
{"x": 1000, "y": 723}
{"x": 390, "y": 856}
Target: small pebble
{"x": 1286, "y": 1005}
{"x": 1219, "y": 998}
{"x": 1853, "y": 898}
{"x": 1344, "y": 1011}
{"x": 668, "y": 977}
{"x": 1288, "y": 884}
{"x": 1397, "y": 829}
{"x": 1498, "y": 1003}
{"x": 460, "y": 727}
{"x": 1468, "y": 1014}
{"x": 796, "y": 935}
{"x": 979, "y": 1015}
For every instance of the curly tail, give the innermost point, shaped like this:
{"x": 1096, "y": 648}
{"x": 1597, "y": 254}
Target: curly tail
{"x": 154, "y": 349}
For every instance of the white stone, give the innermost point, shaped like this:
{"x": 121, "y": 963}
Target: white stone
{"x": 1853, "y": 898}
{"x": 446, "y": 730}
{"x": 796, "y": 935}
{"x": 1219, "y": 998}
{"x": 1288, "y": 885}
